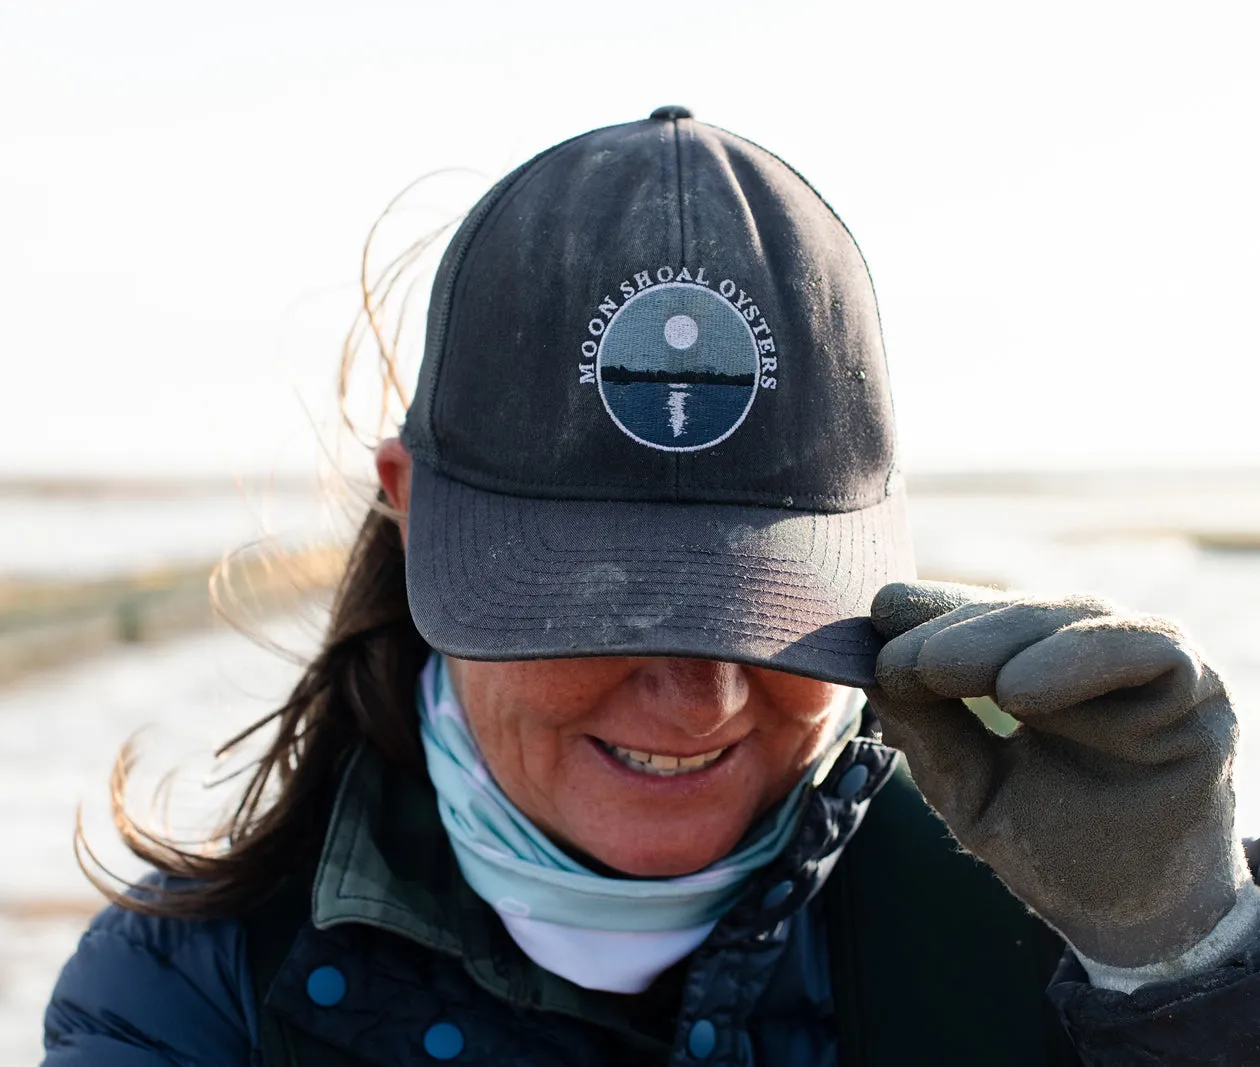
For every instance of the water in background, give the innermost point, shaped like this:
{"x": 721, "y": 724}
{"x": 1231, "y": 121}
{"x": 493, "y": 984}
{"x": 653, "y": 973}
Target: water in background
{"x": 64, "y": 535}
{"x": 1176, "y": 548}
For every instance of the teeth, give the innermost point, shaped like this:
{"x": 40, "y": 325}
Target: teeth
{"x": 667, "y": 766}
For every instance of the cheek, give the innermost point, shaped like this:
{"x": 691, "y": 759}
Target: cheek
{"x": 552, "y": 694}
{"x": 804, "y": 703}
{"x": 792, "y": 750}
{"x": 522, "y": 751}
{"x": 806, "y": 715}
{"x": 528, "y": 718}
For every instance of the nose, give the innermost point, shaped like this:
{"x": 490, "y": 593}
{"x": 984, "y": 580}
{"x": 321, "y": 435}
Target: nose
{"x": 695, "y": 696}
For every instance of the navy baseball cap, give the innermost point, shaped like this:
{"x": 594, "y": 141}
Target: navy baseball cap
{"x": 653, "y": 415}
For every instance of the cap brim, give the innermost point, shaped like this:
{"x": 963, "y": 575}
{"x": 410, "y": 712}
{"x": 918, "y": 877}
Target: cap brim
{"x": 498, "y": 577}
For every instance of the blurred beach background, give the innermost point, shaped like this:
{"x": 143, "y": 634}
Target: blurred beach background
{"x": 1058, "y": 209}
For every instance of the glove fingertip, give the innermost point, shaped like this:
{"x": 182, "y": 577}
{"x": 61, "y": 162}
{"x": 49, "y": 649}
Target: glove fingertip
{"x": 901, "y": 606}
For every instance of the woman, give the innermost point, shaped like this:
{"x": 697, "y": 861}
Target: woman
{"x": 582, "y": 774}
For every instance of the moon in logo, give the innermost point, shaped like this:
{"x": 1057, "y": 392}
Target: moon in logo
{"x": 681, "y": 331}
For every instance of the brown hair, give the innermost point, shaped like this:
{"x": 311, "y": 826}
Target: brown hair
{"x": 358, "y": 688}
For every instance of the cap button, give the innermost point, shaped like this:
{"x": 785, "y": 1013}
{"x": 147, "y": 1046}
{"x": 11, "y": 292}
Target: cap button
{"x": 671, "y": 111}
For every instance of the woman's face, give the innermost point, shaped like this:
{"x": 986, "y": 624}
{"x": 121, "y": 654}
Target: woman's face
{"x": 579, "y": 746}
{"x": 591, "y": 749}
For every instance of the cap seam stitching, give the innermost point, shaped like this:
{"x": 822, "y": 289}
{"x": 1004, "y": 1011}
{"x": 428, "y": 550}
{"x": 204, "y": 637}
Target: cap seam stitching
{"x": 551, "y": 491}
{"x": 879, "y": 319}
{"x": 485, "y": 592}
{"x": 468, "y": 259}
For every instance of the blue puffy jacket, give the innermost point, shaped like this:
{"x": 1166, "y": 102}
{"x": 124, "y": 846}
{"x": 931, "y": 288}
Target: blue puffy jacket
{"x": 141, "y": 992}
{"x": 882, "y": 948}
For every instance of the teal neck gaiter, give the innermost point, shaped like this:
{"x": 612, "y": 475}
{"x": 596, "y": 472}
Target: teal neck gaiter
{"x": 521, "y": 874}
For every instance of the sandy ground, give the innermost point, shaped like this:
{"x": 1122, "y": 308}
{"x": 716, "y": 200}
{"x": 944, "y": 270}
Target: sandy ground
{"x": 61, "y": 730}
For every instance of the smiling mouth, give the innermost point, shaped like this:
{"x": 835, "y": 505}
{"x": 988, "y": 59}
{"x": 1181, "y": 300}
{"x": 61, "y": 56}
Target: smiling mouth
{"x": 663, "y": 766}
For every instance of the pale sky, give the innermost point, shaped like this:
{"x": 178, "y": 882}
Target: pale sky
{"x": 1057, "y": 203}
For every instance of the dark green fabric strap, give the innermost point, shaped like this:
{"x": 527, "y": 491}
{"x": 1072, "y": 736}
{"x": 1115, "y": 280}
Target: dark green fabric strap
{"x": 270, "y": 931}
{"x": 933, "y": 959}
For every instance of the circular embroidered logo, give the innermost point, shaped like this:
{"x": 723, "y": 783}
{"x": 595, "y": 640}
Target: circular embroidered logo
{"x": 677, "y": 367}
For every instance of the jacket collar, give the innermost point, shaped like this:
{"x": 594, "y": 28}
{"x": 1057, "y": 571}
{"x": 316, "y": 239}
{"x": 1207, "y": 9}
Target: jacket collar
{"x": 387, "y": 863}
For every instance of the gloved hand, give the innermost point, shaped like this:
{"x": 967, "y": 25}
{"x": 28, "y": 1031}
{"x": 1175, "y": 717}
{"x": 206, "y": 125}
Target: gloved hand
{"x": 1110, "y": 810}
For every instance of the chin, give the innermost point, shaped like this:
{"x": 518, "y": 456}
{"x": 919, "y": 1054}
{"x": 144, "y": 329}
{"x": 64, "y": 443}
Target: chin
{"x": 651, "y": 861}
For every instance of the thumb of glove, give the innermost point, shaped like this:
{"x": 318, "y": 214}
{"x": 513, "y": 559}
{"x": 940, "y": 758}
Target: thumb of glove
{"x": 950, "y": 752}
{"x": 901, "y": 606}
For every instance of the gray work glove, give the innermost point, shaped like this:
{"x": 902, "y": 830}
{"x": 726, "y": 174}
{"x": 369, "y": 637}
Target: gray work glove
{"x": 1110, "y": 810}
